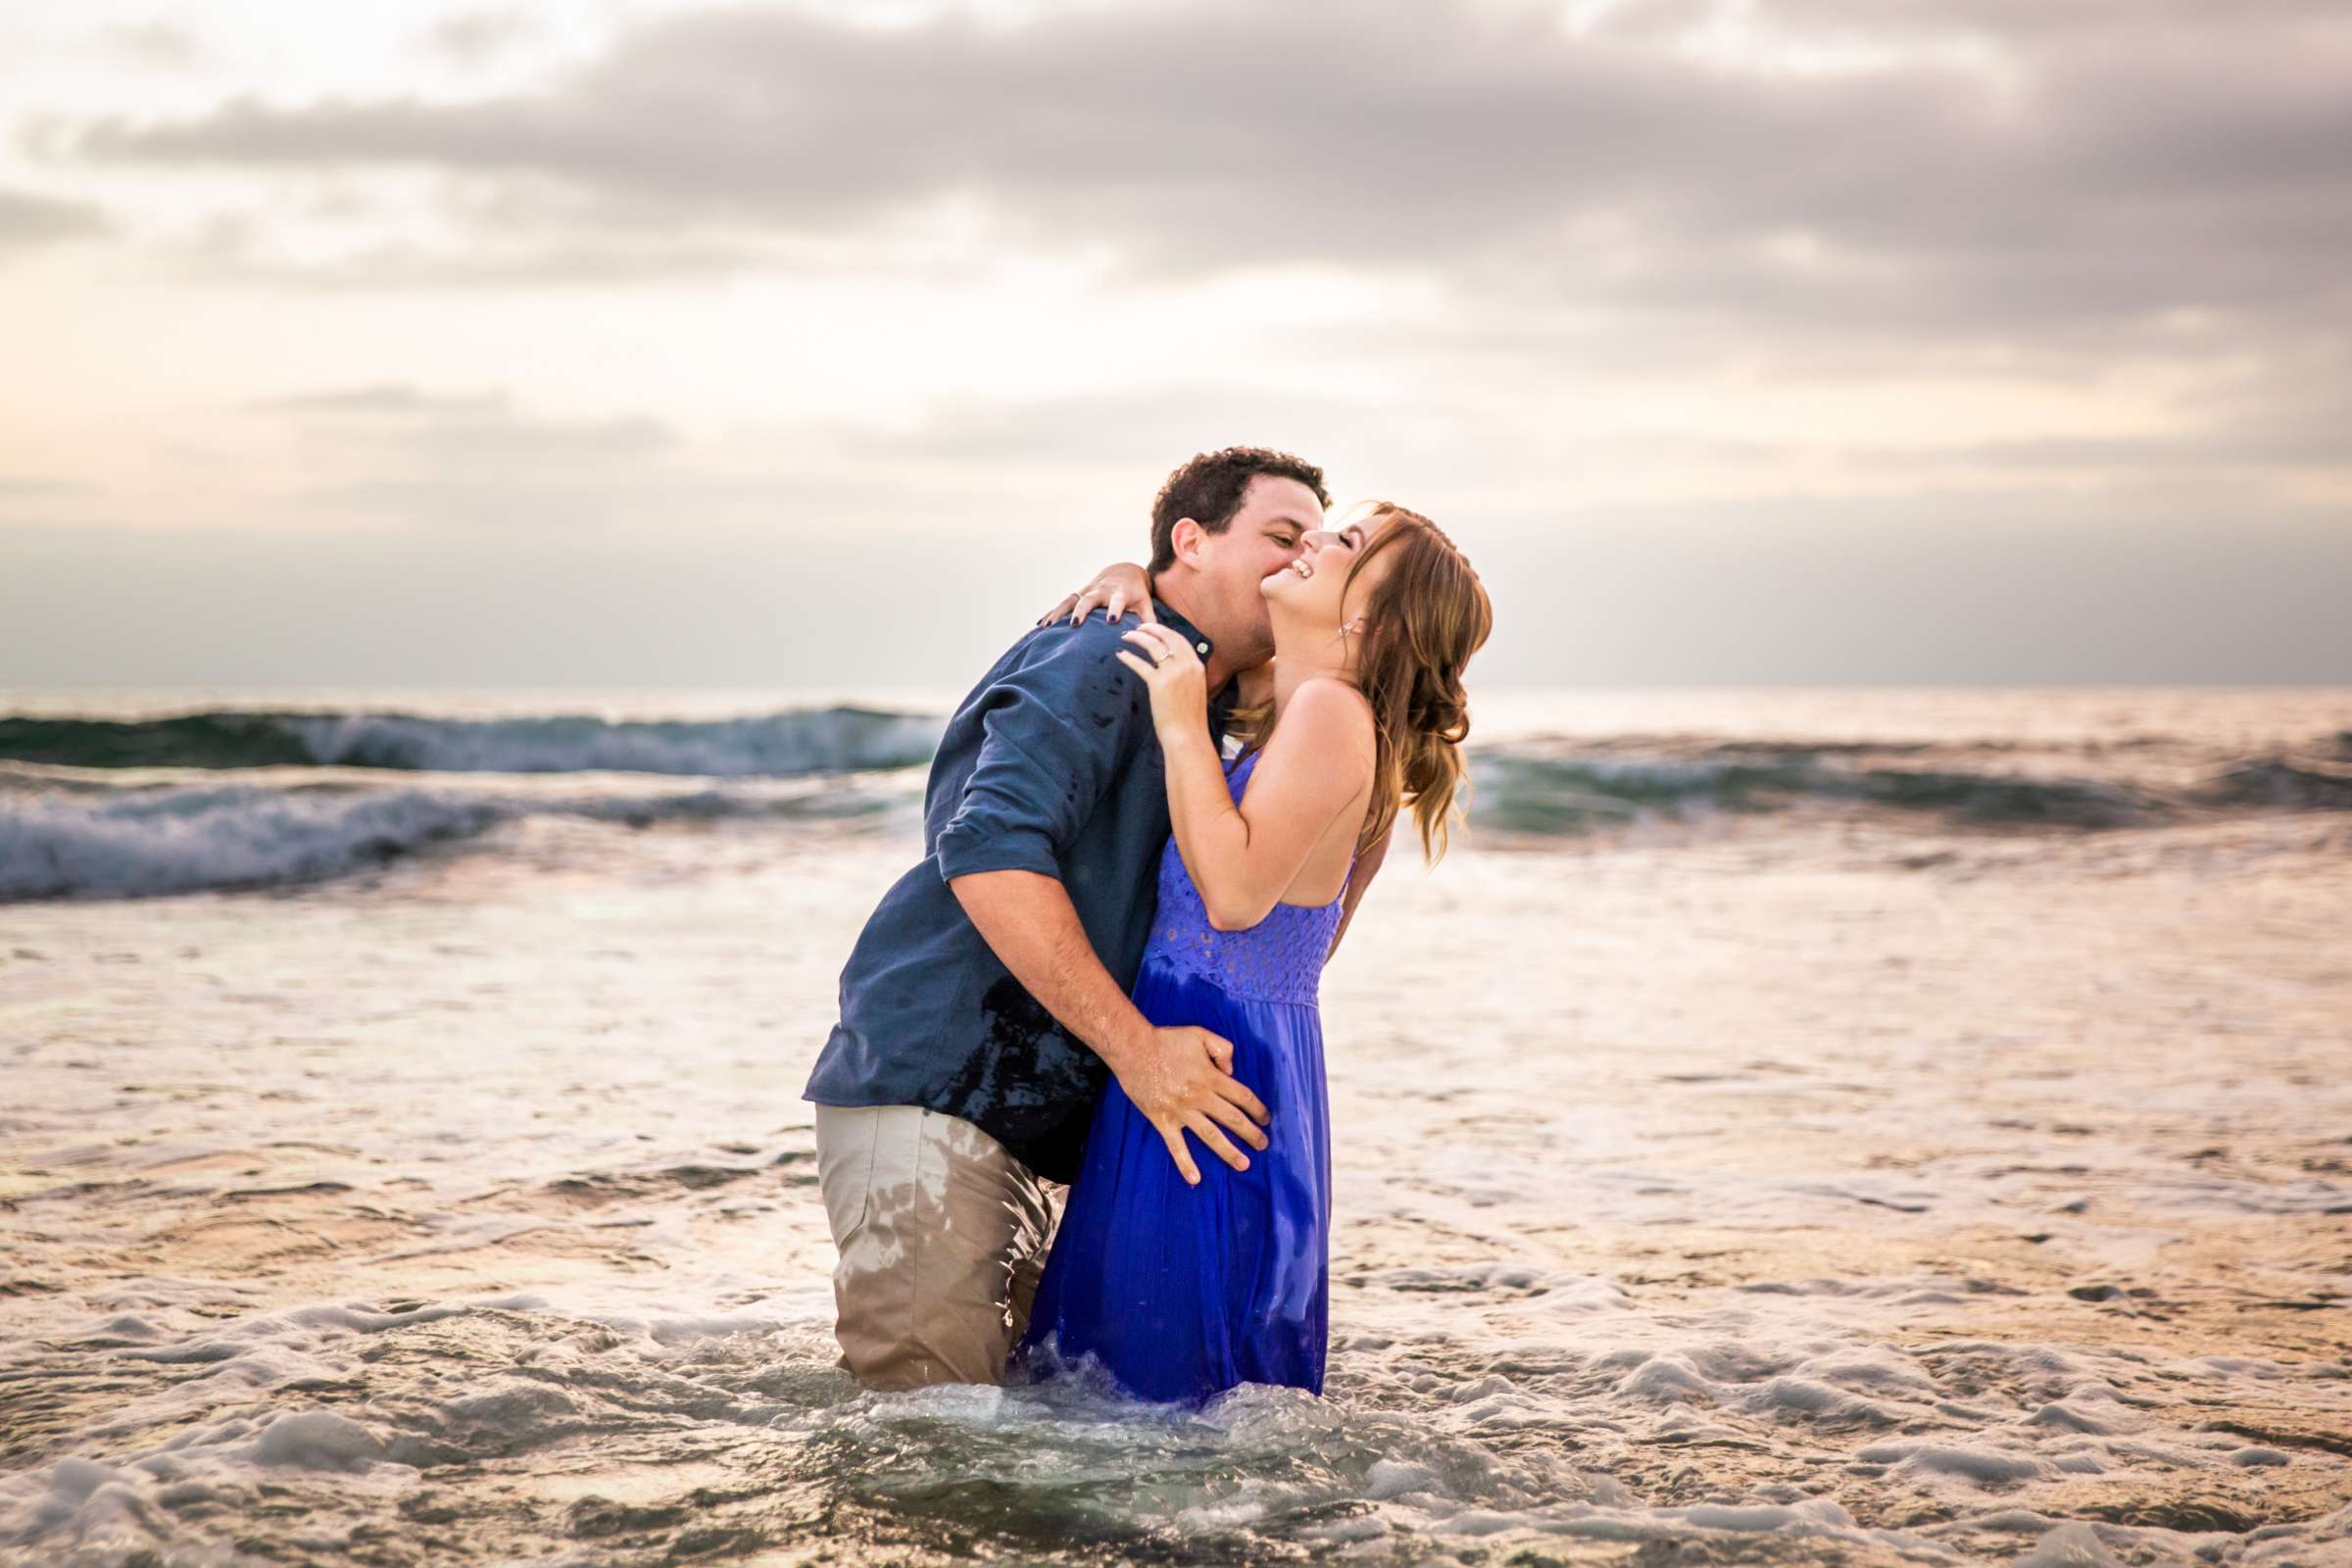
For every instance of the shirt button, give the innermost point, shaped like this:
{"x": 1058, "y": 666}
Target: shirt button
{"x": 1201, "y": 648}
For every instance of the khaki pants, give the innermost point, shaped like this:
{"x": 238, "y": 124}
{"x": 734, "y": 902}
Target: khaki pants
{"x": 943, "y": 1236}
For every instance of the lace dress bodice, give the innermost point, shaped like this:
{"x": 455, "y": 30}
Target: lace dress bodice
{"x": 1278, "y": 959}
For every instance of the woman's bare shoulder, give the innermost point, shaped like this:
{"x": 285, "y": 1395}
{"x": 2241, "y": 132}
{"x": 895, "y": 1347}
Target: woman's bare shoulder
{"x": 1326, "y": 710}
{"x": 1333, "y": 697}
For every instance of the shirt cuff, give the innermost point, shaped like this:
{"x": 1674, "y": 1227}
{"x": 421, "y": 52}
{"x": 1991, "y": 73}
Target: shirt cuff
{"x": 967, "y": 852}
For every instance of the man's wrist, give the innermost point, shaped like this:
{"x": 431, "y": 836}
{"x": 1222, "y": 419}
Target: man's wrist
{"x": 1123, "y": 1039}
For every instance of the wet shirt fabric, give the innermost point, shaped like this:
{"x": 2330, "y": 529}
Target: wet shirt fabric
{"x": 1050, "y": 766}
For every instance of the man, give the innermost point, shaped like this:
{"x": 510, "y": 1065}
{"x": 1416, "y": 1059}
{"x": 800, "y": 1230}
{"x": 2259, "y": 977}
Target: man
{"x": 985, "y": 1005}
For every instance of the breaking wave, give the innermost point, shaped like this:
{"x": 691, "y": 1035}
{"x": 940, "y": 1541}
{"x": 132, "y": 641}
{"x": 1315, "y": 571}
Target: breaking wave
{"x": 85, "y": 830}
{"x": 787, "y": 745}
{"x": 1564, "y": 792}
{"x": 128, "y": 843}
{"x": 2286, "y": 784}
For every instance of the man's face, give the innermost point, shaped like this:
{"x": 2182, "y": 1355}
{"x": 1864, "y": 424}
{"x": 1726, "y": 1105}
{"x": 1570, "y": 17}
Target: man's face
{"x": 1265, "y": 535}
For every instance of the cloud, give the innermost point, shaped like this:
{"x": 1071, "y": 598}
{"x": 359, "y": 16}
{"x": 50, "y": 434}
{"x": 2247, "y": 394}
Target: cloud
{"x": 1777, "y": 339}
{"x": 37, "y": 487}
{"x": 1146, "y": 432}
{"x": 476, "y": 36}
{"x": 40, "y": 500}
{"x": 160, "y": 44}
{"x": 2123, "y": 161}
{"x": 387, "y": 397}
{"x": 2033, "y": 20}
{"x": 437, "y": 459}
{"x": 28, "y": 222}
{"x": 397, "y": 413}
{"x": 434, "y": 460}
{"x": 528, "y": 257}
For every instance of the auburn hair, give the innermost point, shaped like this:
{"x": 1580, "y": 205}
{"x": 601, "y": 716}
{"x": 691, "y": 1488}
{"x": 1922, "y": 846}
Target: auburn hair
{"x": 1424, "y": 620}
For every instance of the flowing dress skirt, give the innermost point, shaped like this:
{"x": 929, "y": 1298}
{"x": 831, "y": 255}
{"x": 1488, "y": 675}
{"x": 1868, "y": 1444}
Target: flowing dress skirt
{"x": 1182, "y": 1292}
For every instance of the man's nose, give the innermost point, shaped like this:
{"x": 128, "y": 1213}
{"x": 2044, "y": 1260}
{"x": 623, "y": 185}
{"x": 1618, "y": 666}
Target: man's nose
{"x": 1316, "y": 539}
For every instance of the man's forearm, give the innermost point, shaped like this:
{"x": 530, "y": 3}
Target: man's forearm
{"x": 1030, "y": 923}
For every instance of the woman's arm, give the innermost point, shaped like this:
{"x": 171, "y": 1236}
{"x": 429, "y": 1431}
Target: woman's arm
{"x": 1243, "y": 857}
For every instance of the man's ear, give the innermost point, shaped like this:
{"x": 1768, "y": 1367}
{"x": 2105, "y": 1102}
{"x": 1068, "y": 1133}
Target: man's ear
{"x": 1185, "y": 539}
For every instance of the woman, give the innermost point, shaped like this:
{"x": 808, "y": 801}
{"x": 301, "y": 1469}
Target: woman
{"x": 1182, "y": 1291}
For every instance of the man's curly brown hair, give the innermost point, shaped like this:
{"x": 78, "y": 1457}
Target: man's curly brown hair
{"x": 1208, "y": 490}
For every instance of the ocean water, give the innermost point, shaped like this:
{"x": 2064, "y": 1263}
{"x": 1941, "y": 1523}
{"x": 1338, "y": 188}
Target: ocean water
{"x": 1793, "y": 1127}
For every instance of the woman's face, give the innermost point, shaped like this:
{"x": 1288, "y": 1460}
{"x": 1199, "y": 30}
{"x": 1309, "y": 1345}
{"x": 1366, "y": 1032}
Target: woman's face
{"x": 1315, "y": 586}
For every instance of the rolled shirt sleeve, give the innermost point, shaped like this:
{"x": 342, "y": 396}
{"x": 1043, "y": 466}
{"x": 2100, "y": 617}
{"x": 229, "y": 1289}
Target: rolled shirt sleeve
{"x": 1059, "y": 725}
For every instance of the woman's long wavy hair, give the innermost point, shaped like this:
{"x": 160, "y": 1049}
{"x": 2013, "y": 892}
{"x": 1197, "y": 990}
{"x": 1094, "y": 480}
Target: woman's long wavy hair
{"x": 1422, "y": 624}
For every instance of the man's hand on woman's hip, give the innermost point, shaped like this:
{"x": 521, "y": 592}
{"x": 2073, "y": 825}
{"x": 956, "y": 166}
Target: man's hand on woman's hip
{"x": 1182, "y": 1080}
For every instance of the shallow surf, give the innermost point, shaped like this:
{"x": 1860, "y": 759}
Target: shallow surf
{"x": 1829, "y": 1180}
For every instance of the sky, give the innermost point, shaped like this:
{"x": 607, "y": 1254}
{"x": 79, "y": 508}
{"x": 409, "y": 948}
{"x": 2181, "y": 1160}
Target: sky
{"x": 614, "y": 342}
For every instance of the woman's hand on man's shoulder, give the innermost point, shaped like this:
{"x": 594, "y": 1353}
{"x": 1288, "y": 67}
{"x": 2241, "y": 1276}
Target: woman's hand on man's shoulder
{"x": 1121, "y": 588}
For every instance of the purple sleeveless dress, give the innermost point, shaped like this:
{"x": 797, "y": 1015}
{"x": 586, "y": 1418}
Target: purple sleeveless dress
{"x": 1182, "y": 1292}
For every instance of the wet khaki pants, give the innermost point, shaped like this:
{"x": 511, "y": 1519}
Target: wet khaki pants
{"x": 943, "y": 1236}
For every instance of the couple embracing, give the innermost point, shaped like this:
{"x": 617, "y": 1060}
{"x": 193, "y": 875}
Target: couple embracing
{"x": 1105, "y": 966}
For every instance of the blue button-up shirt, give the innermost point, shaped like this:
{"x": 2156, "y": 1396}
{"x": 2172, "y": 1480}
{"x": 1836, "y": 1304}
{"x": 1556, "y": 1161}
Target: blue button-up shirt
{"x": 1050, "y": 766}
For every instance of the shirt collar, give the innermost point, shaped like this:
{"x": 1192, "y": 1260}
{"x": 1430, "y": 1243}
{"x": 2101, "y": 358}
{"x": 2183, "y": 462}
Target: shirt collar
{"x": 1220, "y": 701}
{"x": 1184, "y": 628}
